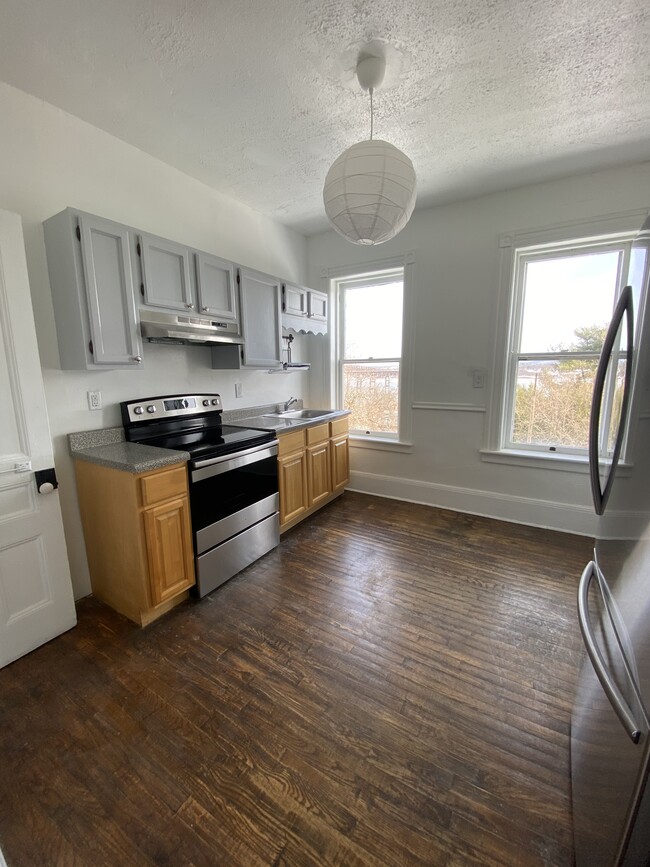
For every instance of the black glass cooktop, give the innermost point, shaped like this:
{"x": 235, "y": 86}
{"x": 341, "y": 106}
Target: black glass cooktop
{"x": 211, "y": 442}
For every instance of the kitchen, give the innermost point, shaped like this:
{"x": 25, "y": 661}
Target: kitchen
{"x": 52, "y": 160}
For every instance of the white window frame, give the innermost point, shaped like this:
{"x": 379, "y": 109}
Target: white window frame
{"x": 384, "y": 270}
{"x": 612, "y": 232}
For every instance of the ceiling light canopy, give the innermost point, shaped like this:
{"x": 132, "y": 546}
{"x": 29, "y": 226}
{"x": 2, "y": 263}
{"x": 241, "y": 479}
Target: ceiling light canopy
{"x": 369, "y": 191}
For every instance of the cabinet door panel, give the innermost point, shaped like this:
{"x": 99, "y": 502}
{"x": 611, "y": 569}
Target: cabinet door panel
{"x": 109, "y": 290}
{"x": 166, "y": 274}
{"x": 318, "y": 473}
{"x": 216, "y": 287}
{"x": 317, "y": 305}
{"x": 340, "y": 451}
{"x": 261, "y": 315}
{"x": 294, "y": 300}
{"x": 169, "y": 546}
{"x": 292, "y": 477}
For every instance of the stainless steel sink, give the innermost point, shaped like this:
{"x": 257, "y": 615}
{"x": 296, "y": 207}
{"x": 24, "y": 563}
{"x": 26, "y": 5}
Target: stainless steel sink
{"x": 300, "y": 413}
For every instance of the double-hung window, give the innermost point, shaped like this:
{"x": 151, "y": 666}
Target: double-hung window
{"x": 562, "y": 299}
{"x": 370, "y": 351}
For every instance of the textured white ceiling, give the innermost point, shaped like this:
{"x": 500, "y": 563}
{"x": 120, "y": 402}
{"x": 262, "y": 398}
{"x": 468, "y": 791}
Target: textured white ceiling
{"x": 257, "y": 97}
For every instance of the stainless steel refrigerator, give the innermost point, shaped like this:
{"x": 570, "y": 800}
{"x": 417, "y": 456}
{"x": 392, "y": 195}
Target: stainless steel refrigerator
{"x": 610, "y": 729}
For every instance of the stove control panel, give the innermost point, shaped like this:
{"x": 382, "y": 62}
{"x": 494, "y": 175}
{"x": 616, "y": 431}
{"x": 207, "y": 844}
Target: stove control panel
{"x": 170, "y": 406}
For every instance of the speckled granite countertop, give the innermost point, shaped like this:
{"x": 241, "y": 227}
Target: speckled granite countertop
{"x": 109, "y": 448}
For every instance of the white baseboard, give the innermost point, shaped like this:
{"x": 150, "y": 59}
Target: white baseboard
{"x": 566, "y": 518}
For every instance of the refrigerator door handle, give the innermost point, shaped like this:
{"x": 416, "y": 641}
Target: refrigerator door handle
{"x": 610, "y": 688}
{"x": 623, "y": 305}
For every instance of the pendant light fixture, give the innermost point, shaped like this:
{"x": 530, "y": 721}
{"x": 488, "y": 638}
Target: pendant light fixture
{"x": 369, "y": 191}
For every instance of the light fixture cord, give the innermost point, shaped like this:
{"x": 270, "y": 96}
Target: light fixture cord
{"x": 370, "y": 90}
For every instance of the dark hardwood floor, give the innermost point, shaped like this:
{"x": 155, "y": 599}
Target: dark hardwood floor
{"x": 392, "y": 686}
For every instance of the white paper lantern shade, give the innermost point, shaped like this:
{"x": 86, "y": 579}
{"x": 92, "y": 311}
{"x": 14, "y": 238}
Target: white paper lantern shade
{"x": 369, "y": 192}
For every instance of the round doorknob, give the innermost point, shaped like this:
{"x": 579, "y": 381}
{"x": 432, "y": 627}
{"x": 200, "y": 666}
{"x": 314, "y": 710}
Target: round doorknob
{"x": 46, "y": 488}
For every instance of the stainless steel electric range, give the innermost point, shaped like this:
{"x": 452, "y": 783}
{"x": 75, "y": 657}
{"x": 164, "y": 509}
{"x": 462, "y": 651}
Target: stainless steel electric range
{"x": 233, "y": 479}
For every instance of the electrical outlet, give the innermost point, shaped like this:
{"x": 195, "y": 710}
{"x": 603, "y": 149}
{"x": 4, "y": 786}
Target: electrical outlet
{"x": 478, "y": 378}
{"x": 94, "y": 399}
{"x": 239, "y": 389}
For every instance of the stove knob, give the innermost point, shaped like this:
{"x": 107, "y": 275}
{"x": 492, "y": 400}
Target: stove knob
{"x": 215, "y": 402}
{"x": 138, "y": 410}
{"x": 151, "y": 408}
{"x": 206, "y": 403}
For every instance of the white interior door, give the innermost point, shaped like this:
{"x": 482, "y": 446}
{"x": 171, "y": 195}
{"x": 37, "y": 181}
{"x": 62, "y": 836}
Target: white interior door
{"x": 36, "y": 601}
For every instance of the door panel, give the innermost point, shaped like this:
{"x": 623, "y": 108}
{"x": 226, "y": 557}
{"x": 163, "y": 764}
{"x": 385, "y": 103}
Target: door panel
{"x": 109, "y": 289}
{"x": 216, "y": 287}
{"x": 318, "y": 473}
{"x": 166, "y": 274}
{"x": 260, "y": 299}
{"x": 169, "y": 546}
{"x": 36, "y": 601}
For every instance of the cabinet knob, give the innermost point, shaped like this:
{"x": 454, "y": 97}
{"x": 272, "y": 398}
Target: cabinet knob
{"x": 137, "y": 358}
{"x": 190, "y": 306}
{"x": 205, "y": 309}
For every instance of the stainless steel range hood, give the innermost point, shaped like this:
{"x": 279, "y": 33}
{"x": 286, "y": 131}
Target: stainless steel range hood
{"x": 180, "y": 329}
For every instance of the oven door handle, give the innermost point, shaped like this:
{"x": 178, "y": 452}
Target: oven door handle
{"x": 215, "y": 466}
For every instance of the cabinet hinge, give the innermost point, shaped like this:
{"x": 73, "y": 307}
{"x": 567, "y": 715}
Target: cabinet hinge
{"x": 284, "y": 302}
{"x": 238, "y": 280}
{"x": 138, "y": 250}
{"x": 241, "y": 352}
{"x": 78, "y": 233}
{"x": 91, "y": 348}
{"x": 142, "y": 289}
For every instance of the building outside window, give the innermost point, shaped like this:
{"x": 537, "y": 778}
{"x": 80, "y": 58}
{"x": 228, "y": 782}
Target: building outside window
{"x": 562, "y": 300}
{"x": 370, "y": 351}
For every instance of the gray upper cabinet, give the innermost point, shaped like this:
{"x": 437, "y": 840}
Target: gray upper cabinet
{"x": 165, "y": 269}
{"x": 91, "y": 276}
{"x": 317, "y": 306}
{"x": 294, "y": 300}
{"x": 261, "y": 319}
{"x": 216, "y": 289}
{"x": 304, "y": 309}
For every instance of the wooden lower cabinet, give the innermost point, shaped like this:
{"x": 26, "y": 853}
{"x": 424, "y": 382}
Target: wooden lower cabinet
{"x": 313, "y": 469}
{"x": 138, "y": 537}
{"x": 292, "y": 478}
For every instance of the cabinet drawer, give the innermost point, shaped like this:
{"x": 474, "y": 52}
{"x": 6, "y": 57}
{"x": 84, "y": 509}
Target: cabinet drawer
{"x": 318, "y": 434}
{"x": 339, "y": 426}
{"x": 291, "y": 442}
{"x": 163, "y": 485}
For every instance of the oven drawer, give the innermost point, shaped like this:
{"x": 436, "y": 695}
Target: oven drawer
{"x": 221, "y": 530}
{"x": 216, "y": 566}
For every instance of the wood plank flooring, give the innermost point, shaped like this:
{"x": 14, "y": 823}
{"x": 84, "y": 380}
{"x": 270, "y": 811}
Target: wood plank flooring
{"x": 391, "y": 686}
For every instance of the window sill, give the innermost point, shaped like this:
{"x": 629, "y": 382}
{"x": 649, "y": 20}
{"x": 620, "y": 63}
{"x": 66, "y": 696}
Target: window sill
{"x": 379, "y": 444}
{"x": 546, "y": 461}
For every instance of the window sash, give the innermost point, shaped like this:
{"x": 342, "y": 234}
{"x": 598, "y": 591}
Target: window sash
{"x": 394, "y": 275}
{"x": 522, "y": 257}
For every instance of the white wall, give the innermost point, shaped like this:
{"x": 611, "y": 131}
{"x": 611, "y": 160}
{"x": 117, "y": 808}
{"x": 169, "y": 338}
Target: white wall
{"x": 50, "y": 160}
{"x": 457, "y": 280}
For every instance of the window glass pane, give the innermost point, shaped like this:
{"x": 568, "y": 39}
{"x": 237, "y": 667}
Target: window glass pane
{"x": 371, "y": 392}
{"x": 553, "y": 402}
{"x": 373, "y": 321}
{"x": 568, "y": 302}
{"x": 615, "y": 417}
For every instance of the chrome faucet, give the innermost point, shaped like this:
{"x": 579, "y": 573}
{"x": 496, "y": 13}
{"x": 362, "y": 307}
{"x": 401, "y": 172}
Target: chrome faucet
{"x": 291, "y": 401}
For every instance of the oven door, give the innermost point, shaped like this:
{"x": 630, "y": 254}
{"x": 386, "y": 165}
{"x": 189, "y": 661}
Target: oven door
{"x": 234, "y": 503}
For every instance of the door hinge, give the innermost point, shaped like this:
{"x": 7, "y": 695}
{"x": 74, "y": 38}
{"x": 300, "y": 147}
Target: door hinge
{"x": 78, "y": 233}
{"x": 91, "y": 348}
